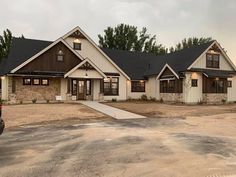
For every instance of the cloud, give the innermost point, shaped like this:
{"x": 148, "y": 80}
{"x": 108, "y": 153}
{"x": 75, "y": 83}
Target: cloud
{"x": 170, "y": 20}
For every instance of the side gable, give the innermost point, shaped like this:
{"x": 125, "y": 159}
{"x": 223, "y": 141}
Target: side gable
{"x": 225, "y": 62}
{"x": 89, "y": 49}
{"x": 47, "y": 61}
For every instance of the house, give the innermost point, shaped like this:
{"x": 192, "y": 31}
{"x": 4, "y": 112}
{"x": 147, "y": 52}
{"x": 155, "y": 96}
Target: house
{"x": 74, "y": 68}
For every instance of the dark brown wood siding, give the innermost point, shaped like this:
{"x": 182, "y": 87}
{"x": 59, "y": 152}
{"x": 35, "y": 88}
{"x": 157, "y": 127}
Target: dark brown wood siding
{"x": 210, "y": 86}
{"x": 167, "y": 72}
{"x": 48, "y": 60}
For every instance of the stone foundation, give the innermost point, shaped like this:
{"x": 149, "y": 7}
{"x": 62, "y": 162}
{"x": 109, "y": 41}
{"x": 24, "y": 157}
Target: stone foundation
{"x": 30, "y": 92}
{"x": 172, "y": 97}
{"x": 214, "y": 97}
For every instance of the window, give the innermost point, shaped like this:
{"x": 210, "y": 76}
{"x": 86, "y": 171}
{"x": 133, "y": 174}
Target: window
{"x": 171, "y": 86}
{"x": 74, "y": 86}
{"x": 60, "y": 56}
{"x": 77, "y": 45}
{"x": 44, "y": 81}
{"x": 229, "y": 83}
{"x": 137, "y": 86}
{"x": 88, "y": 87}
{"x": 213, "y": 61}
{"x": 26, "y": 81}
{"x": 217, "y": 86}
{"x": 111, "y": 86}
{"x": 36, "y": 81}
{"x": 167, "y": 86}
{"x": 194, "y": 83}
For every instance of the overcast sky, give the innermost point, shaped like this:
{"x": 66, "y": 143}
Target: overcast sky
{"x": 170, "y": 20}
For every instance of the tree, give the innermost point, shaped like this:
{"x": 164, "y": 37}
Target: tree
{"x": 190, "y": 42}
{"x": 5, "y": 44}
{"x": 127, "y": 37}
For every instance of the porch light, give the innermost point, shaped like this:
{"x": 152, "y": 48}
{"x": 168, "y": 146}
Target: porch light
{"x": 141, "y": 81}
{"x": 86, "y": 75}
{"x": 217, "y": 78}
{"x": 2, "y": 78}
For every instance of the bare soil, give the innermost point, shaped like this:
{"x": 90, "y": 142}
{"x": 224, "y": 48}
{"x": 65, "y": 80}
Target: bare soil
{"x": 157, "y": 110}
{"x": 16, "y": 115}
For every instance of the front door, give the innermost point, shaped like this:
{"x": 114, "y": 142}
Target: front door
{"x": 81, "y": 95}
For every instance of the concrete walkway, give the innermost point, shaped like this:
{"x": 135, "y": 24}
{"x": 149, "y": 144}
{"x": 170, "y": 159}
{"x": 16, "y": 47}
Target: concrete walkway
{"x": 111, "y": 111}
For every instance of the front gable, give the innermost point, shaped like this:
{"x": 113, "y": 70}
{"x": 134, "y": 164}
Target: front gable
{"x": 47, "y": 61}
{"x": 90, "y": 50}
{"x": 224, "y": 62}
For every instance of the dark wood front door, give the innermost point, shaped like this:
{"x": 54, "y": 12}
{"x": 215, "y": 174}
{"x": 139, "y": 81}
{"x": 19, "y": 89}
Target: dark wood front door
{"x": 81, "y": 95}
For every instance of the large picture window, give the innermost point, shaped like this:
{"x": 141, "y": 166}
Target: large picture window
{"x": 137, "y": 86}
{"x": 213, "y": 61}
{"x": 214, "y": 85}
{"x": 111, "y": 86}
{"x": 74, "y": 86}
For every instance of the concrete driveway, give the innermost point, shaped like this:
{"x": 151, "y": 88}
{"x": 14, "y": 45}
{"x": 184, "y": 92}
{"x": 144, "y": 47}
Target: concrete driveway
{"x": 143, "y": 147}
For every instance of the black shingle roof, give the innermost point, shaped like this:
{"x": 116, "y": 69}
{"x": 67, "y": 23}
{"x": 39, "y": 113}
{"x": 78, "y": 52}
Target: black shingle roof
{"x": 136, "y": 65}
{"x": 21, "y": 50}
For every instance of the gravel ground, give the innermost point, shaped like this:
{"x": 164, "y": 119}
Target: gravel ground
{"x": 145, "y": 147}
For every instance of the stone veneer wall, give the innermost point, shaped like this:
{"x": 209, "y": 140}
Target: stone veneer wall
{"x": 214, "y": 97}
{"x": 172, "y": 97}
{"x": 30, "y": 92}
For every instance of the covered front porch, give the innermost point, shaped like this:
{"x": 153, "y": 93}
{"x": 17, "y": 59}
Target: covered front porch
{"x": 84, "y": 82}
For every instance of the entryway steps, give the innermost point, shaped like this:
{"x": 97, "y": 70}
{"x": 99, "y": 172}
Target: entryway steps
{"x": 111, "y": 111}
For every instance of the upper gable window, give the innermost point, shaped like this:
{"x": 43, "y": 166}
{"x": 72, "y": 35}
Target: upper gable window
{"x": 60, "y": 55}
{"x": 77, "y": 44}
{"x": 213, "y": 60}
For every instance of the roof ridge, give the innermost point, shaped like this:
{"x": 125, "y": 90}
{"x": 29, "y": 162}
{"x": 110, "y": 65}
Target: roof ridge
{"x": 31, "y": 39}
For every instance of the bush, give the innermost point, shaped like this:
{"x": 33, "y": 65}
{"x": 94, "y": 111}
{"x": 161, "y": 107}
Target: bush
{"x": 34, "y": 100}
{"x": 144, "y": 97}
{"x": 114, "y": 100}
{"x": 223, "y": 101}
{"x": 161, "y": 100}
{"x": 21, "y": 102}
{"x": 152, "y": 99}
{"x": 47, "y": 101}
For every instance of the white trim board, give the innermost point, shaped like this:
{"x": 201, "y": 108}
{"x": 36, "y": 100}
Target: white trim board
{"x": 44, "y": 50}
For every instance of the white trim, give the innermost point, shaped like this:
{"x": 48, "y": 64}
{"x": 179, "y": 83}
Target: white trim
{"x": 222, "y": 51}
{"x": 83, "y": 62}
{"x": 95, "y": 45}
{"x": 163, "y": 69}
{"x": 44, "y": 50}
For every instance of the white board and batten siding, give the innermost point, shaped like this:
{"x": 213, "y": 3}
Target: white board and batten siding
{"x": 192, "y": 94}
{"x": 231, "y": 92}
{"x": 88, "y": 50}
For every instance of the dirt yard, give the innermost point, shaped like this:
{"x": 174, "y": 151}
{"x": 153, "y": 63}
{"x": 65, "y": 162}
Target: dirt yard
{"x": 157, "y": 110}
{"x": 16, "y": 115}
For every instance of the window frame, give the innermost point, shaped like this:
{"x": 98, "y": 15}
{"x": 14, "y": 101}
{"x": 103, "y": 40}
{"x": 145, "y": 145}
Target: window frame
{"x": 79, "y": 47}
{"x": 90, "y": 88}
{"x": 110, "y": 83}
{"x": 135, "y": 87}
{"x": 25, "y": 78}
{"x": 72, "y": 87}
{"x": 60, "y": 53}
{"x": 36, "y": 79}
{"x": 212, "y": 63}
{"x": 229, "y": 84}
{"x": 194, "y": 83}
{"x": 44, "y": 79}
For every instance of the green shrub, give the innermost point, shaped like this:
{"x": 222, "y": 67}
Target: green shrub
{"x": 152, "y": 99}
{"x": 144, "y": 97}
{"x": 114, "y": 100}
{"x": 34, "y": 100}
{"x": 223, "y": 101}
{"x": 21, "y": 102}
{"x": 47, "y": 101}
